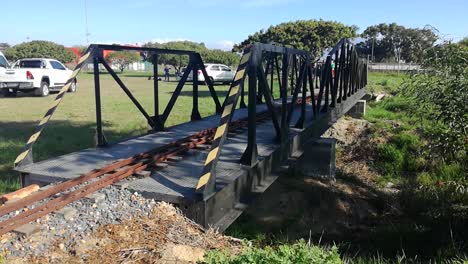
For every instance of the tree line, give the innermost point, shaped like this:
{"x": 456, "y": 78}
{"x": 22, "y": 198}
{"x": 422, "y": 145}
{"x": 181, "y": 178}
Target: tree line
{"x": 47, "y": 49}
{"x": 380, "y": 43}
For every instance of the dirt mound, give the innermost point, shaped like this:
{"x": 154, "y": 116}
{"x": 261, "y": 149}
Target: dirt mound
{"x": 166, "y": 236}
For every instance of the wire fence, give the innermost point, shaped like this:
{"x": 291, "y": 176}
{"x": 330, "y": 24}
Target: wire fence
{"x": 404, "y": 67}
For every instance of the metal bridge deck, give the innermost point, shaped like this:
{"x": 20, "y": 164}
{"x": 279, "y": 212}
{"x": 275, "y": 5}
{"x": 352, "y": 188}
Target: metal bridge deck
{"x": 179, "y": 178}
{"x": 177, "y": 181}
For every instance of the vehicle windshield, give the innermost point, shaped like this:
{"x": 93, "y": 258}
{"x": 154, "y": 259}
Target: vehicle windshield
{"x": 3, "y": 62}
{"x": 30, "y": 64}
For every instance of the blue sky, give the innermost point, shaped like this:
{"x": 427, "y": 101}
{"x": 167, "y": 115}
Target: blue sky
{"x": 217, "y": 23}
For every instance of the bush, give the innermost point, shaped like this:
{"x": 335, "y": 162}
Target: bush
{"x": 297, "y": 253}
{"x": 39, "y": 49}
{"x": 441, "y": 93}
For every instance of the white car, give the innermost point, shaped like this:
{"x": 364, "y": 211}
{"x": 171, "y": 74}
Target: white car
{"x": 39, "y": 75}
{"x": 216, "y": 72}
{"x": 3, "y": 63}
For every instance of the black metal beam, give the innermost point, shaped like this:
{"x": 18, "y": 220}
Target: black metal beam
{"x": 195, "y": 113}
{"x": 159, "y": 126}
{"x": 100, "y": 139}
{"x": 128, "y": 93}
{"x": 208, "y": 82}
{"x": 269, "y": 102}
{"x": 312, "y": 89}
{"x": 176, "y": 93}
{"x": 249, "y": 157}
{"x": 152, "y": 50}
{"x": 301, "y": 122}
{"x": 284, "y": 94}
{"x": 297, "y": 88}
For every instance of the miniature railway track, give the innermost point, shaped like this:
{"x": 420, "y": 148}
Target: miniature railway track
{"x": 105, "y": 176}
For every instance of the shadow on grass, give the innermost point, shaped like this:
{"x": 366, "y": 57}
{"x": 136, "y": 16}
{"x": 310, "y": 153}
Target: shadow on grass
{"x": 60, "y": 137}
{"x": 188, "y": 93}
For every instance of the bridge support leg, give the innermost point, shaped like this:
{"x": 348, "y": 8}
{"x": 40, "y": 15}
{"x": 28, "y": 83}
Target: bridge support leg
{"x": 358, "y": 110}
{"x": 195, "y": 113}
{"x": 318, "y": 159}
{"x": 249, "y": 157}
{"x": 159, "y": 126}
{"x": 100, "y": 139}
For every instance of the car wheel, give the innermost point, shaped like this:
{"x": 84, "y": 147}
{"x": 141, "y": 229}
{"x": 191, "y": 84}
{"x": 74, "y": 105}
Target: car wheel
{"x": 43, "y": 90}
{"x": 72, "y": 88}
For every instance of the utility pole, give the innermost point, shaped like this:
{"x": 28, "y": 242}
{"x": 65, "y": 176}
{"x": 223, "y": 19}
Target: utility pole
{"x": 86, "y": 22}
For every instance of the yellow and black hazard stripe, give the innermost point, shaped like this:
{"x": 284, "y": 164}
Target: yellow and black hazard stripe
{"x": 226, "y": 117}
{"x": 37, "y": 132}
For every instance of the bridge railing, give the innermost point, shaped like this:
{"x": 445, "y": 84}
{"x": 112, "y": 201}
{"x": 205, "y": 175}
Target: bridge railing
{"x": 156, "y": 121}
{"x": 324, "y": 84}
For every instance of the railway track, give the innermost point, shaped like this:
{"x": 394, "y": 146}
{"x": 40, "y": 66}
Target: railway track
{"x": 69, "y": 191}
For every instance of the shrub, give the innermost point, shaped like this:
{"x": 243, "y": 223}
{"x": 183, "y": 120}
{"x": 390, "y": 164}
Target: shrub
{"x": 441, "y": 93}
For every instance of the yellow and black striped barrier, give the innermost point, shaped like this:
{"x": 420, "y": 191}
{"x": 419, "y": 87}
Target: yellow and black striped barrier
{"x": 37, "y": 132}
{"x": 207, "y": 179}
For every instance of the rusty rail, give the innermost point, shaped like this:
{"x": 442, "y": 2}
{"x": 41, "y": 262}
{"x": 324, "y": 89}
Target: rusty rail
{"x": 105, "y": 176}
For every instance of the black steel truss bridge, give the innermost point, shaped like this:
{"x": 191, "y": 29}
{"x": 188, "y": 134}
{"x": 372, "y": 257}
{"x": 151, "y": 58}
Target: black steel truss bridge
{"x": 213, "y": 166}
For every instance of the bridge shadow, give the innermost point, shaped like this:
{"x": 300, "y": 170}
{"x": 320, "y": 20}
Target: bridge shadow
{"x": 221, "y": 94}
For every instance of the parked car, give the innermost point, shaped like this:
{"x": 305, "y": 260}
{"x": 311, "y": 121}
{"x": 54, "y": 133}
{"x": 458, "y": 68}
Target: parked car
{"x": 216, "y": 73}
{"x": 40, "y": 76}
{"x": 3, "y": 63}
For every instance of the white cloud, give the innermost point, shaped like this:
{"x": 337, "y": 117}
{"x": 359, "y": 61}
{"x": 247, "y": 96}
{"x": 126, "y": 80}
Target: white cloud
{"x": 222, "y": 45}
{"x": 165, "y": 40}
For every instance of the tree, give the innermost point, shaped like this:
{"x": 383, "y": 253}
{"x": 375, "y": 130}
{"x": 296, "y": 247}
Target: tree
{"x": 179, "y": 61}
{"x": 220, "y": 56}
{"x": 3, "y": 46}
{"x": 39, "y": 49}
{"x": 310, "y": 35}
{"x": 123, "y": 58}
{"x": 463, "y": 42}
{"x": 395, "y": 42}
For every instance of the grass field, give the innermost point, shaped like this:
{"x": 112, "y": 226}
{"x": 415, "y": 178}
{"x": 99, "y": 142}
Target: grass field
{"x": 73, "y": 125}
{"x": 387, "y": 82}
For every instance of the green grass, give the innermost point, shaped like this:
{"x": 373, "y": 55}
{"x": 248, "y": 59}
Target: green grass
{"x": 73, "y": 125}
{"x": 385, "y": 82}
{"x": 297, "y": 253}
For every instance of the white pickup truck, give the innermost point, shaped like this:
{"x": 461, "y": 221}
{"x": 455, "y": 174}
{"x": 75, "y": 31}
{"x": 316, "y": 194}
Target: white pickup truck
{"x": 40, "y": 76}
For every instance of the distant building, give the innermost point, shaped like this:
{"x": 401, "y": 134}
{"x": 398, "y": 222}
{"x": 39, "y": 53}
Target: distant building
{"x": 136, "y": 66}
